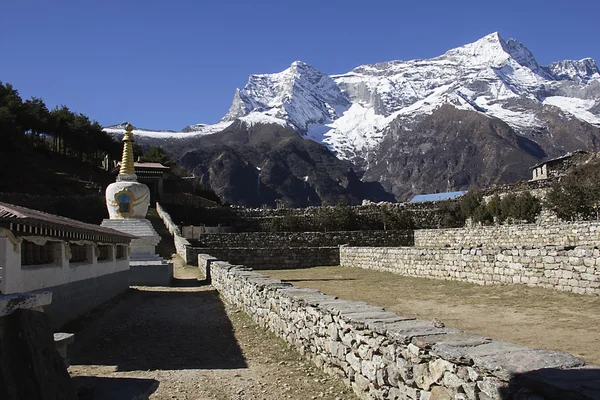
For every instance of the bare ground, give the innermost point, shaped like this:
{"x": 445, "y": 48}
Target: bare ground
{"x": 533, "y": 317}
{"x": 193, "y": 345}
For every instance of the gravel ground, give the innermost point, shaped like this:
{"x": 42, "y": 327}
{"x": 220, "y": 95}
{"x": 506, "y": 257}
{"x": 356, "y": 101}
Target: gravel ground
{"x": 193, "y": 345}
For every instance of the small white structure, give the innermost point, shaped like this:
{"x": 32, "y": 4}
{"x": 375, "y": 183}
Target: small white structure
{"x": 127, "y": 201}
{"x": 83, "y": 265}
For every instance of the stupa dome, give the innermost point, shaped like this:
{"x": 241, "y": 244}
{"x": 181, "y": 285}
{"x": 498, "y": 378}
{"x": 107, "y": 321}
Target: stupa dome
{"x": 127, "y": 198}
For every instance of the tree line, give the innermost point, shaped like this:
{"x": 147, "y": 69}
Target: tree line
{"x": 576, "y": 196}
{"x": 29, "y": 124}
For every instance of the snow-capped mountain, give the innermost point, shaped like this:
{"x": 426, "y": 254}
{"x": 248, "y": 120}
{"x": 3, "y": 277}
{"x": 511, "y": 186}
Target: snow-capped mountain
{"x": 371, "y": 114}
{"x": 301, "y": 95}
{"x": 350, "y": 112}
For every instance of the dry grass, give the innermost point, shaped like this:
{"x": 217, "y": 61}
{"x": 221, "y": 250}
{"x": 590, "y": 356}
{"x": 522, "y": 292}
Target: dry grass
{"x": 533, "y": 317}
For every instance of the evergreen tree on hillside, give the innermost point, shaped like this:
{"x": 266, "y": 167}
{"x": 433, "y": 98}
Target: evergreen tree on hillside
{"x": 577, "y": 195}
{"x": 156, "y": 154}
{"x": 30, "y": 123}
{"x": 10, "y": 109}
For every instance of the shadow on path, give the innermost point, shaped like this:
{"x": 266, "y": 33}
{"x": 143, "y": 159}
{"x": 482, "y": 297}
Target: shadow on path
{"x": 558, "y": 384}
{"x": 103, "y": 388}
{"x": 191, "y": 282}
{"x": 318, "y": 280}
{"x": 159, "y": 329}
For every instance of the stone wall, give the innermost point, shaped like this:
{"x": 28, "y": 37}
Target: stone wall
{"x": 574, "y": 270}
{"x": 306, "y": 239}
{"x": 275, "y": 258}
{"x": 182, "y": 245}
{"x": 289, "y": 249}
{"x": 195, "y": 232}
{"x": 424, "y": 215}
{"x": 385, "y": 356}
{"x": 558, "y": 234}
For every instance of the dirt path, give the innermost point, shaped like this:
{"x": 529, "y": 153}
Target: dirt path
{"x": 192, "y": 344}
{"x": 533, "y": 317}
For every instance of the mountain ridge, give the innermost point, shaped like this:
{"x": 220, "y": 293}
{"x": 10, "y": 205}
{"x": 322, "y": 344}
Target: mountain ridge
{"x": 551, "y": 109}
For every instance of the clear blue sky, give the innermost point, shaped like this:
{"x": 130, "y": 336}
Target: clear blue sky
{"x": 167, "y": 64}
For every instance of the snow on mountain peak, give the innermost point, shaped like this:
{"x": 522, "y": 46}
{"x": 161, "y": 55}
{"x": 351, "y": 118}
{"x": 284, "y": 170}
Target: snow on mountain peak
{"x": 493, "y": 51}
{"x": 573, "y": 70}
{"x": 301, "y": 94}
{"x": 521, "y": 55}
{"x": 490, "y": 50}
{"x": 352, "y": 112}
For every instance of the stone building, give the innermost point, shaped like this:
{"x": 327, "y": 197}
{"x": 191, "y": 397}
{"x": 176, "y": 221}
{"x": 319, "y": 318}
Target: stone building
{"x": 559, "y": 166}
{"x": 152, "y": 175}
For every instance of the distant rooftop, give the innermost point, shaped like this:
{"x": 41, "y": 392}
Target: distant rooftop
{"x": 420, "y": 198}
{"x": 139, "y": 164}
{"x": 563, "y": 157}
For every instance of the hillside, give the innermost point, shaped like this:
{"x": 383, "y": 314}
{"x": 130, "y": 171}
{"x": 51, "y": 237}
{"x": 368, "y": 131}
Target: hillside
{"x": 53, "y": 183}
{"x": 256, "y": 165}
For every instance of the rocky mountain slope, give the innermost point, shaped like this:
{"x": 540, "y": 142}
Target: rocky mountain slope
{"x": 401, "y": 122}
{"x": 256, "y": 165}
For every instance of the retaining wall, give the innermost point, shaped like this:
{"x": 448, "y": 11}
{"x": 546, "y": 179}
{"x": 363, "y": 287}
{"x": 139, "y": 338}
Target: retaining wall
{"x": 288, "y": 249}
{"x": 386, "y": 356}
{"x": 306, "y": 239}
{"x": 182, "y": 245}
{"x": 556, "y": 234}
{"x": 574, "y": 270}
{"x": 270, "y": 258}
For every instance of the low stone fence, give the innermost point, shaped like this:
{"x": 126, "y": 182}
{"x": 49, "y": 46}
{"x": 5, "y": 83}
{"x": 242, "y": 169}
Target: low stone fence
{"x": 385, "y": 356}
{"x": 574, "y": 270}
{"x": 556, "y": 234}
{"x": 306, "y": 239}
{"x": 196, "y": 232}
{"x": 183, "y": 247}
{"x": 270, "y": 258}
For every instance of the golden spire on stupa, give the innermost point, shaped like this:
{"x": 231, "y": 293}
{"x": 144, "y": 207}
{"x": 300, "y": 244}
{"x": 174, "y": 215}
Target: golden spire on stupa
{"x": 127, "y": 159}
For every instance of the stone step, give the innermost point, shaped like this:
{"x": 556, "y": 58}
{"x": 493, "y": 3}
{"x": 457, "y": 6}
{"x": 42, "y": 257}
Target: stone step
{"x": 137, "y": 227}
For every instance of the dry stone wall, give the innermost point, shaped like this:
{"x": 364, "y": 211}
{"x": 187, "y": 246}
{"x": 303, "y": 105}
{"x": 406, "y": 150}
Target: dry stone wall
{"x": 183, "y": 247}
{"x": 263, "y": 250}
{"x": 385, "y": 356}
{"x": 280, "y": 258}
{"x": 558, "y": 234}
{"x": 305, "y": 239}
{"x": 574, "y": 270}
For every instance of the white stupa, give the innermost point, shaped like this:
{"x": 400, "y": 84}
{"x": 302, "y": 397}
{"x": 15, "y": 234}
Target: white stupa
{"x": 127, "y": 201}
